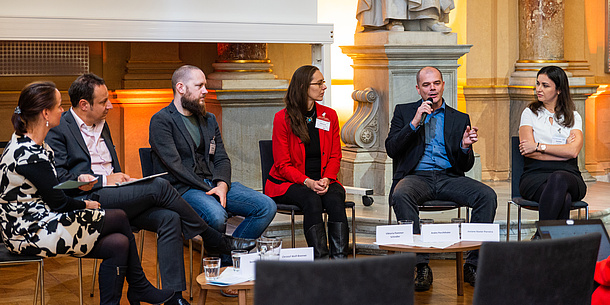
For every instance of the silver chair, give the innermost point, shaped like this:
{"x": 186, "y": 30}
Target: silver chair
{"x": 10, "y": 259}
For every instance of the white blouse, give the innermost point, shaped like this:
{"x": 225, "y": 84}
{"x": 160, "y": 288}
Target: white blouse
{"x": 546, "y": 132}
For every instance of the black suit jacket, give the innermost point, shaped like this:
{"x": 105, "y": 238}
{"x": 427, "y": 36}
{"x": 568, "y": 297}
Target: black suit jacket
{"x": 174, "y": 150}
{"x": 406, "y": 146}
{"x": 71, "y": 154}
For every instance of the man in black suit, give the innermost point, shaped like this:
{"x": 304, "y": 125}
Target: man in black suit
{"x": 83, "y": 149}
{"x": 431, "y": 145}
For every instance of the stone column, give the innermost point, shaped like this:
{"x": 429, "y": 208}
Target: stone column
{"x": 541, "y": 44}
{"x": 387, "y": 62}
{"x": 244, "y": 96}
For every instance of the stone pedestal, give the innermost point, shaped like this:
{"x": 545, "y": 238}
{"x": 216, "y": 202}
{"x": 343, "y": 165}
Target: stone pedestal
{"x": 245, "y": 117}
{"x": 388, "y": 62}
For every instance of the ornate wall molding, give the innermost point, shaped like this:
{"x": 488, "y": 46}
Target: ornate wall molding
{"x": 362, "y": 129}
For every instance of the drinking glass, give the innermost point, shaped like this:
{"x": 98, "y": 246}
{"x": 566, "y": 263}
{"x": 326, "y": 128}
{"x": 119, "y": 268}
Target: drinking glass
{"x": 459, "y": 221}
{"x": 269, "y": 248}
{"x": 211, "y": 266}
{"x": 235, "y": 255}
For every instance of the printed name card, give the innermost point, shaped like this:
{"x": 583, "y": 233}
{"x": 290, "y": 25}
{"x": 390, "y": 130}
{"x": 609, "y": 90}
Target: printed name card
{"x": 246, "y": 264}
{"x": 394, "y": 234}
{"x": 297, "y": 254}
{"x": 481, "y": 231}
{"x": 440, "y": 232}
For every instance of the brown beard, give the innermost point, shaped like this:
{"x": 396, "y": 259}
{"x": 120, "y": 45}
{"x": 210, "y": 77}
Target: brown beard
{"x": 193, "y": 105}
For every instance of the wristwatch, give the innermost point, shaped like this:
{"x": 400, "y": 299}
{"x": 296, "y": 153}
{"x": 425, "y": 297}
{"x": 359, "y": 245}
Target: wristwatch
{"x": 542, "y": 148}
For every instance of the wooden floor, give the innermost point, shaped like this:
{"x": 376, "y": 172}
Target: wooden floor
{"x": 61, "y": 282}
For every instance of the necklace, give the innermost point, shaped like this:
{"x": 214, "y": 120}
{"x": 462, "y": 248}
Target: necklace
{"x": 308, "y": 119}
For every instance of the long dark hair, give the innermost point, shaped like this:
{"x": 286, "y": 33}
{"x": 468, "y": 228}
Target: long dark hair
{"x": 34, "y": 98}
{"x": 296, "y": 101}
{"x": 565, "y": 106}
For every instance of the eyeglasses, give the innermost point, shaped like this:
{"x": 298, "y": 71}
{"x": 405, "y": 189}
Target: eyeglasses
{"x": 320, "y": 83}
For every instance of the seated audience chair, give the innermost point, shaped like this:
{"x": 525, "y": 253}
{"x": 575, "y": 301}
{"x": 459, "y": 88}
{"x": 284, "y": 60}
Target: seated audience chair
{"x": 383, "y": 280}
{"x": 556, "y": 271}
{"x": 517, "y": 163}
{"x": 266, "y": 154}
{"x": 10, "y": 259}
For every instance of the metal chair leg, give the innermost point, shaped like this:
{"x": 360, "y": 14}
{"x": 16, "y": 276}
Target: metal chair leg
{"x": 37, "y": 285}
{"x": 292, "y": 227}
{"x": 354, "y": 231}
{"x": 389, "y": 214}
{"x": 587, "y": 211}
{"x": 508, "y": 221}
{"x": 80, "y": 281}
{"x": 191, "y": 268}
{"x": 519, "y": 223}
{"x": 41, "y": 282}
{"x": 93, "y": 278}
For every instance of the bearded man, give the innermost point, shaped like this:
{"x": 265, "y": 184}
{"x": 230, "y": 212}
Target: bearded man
{"x": 186, "y": 142}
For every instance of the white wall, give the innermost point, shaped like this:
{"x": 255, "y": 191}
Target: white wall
{"x": 246, "y": 11}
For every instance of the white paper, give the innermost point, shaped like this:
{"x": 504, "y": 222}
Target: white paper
{"x": 230, "y": 276}
{"x": 418, "y": 243}
{"x": 449, "y": 232}
{"x": 323, "y": 124}
{"x": 297, "y": 254}
{"x": 394, "y": 234}
{"x": 481, "y": 231}
{"x": 246, "y": 264}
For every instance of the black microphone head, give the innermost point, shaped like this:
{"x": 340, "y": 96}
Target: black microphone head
{"x": 430, "y": 100}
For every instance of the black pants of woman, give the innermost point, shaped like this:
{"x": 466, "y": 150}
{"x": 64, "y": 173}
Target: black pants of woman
{"x": 556, "y": 195}
{"x": 313, "y": 205}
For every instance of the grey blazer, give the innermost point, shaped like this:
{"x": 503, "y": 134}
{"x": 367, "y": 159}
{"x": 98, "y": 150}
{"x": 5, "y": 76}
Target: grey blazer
{"x": 174, "y": 150}
{"x": 71, "y": 154}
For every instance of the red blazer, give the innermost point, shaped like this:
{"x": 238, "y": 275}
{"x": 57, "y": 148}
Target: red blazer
{"x": 289, "y": 152}
{"x": 601, "y": 295}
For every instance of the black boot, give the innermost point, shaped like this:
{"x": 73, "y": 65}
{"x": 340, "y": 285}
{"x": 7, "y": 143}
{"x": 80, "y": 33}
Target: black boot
{"x": 316, "y": 238}
{"x": 215, "y": 242}
{"x": 140, "y": 289}
{"x": 338, "y": 239}
{"x": 111, "y": 279}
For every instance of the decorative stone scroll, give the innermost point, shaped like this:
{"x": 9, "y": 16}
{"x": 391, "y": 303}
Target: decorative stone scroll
{"x": 361, "y": 129}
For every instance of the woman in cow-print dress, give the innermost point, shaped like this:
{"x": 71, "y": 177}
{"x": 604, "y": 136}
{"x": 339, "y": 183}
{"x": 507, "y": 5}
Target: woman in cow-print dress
{"x": 37, "y": 219}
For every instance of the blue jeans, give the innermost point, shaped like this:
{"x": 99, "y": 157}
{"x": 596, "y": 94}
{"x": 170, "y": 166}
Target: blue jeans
{"x": 258, "y": 209}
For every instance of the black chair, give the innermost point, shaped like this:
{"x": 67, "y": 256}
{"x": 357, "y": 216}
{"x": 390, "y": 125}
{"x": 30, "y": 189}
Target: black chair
{"x": 383, "y": 280}
{"x": 10, "y": 259}
{"x": 266, "y": 154}
{"x": 557, "y": 271}
{"x": 517, "y": 163}
{"x": 432, "y": 205}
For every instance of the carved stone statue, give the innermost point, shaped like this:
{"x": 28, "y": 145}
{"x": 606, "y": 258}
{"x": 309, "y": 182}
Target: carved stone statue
{"x": 404, "y": 15}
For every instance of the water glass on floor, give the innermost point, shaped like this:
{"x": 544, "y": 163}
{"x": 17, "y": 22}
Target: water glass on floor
{"x": 211, "y": 266}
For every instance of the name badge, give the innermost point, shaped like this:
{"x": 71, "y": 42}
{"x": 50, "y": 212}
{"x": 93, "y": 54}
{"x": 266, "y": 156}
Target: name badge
{"x": 247, "y": 263}
{"x": 297, "y": 254}
{"x": 213, "y": 146}
{"x": 559, "y": 140}
{"x": 481, "y": 231}
{"x": 322, "y": 122}
{"x": 394, "y": 234}
{"x": 440, "y": 232}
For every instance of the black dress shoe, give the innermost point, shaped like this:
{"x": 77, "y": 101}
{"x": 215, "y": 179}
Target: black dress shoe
{"x": 423, "y": 277}
{"x": 470, "y": 274}
{"x": 241, "y": 243}
{"x": 177, "y": 300}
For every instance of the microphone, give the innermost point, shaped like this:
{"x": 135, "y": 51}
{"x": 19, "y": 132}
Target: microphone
{"x": 424, "y": 115}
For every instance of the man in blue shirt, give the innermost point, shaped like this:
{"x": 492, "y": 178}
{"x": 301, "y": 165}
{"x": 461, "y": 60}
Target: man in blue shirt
{"x": 431, "y": 147}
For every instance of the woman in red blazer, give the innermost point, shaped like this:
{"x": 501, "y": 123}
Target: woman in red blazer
{"x": 307, "y": 155}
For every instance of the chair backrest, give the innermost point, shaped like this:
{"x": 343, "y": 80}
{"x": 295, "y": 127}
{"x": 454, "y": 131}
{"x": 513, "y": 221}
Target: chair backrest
{"x": 146, "y": 161}
{"x": 516, "y": 167}
{"x": 379, "y": 280}
{"x": 556, "y": 271}
{"x": 266, "y": 154}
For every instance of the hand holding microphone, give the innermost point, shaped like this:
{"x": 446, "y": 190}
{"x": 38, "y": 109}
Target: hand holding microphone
{"x": 425, "y": 114}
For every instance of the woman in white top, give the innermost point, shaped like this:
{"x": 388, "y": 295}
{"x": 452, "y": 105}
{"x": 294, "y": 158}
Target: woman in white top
{"x": 550, "y": 137}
